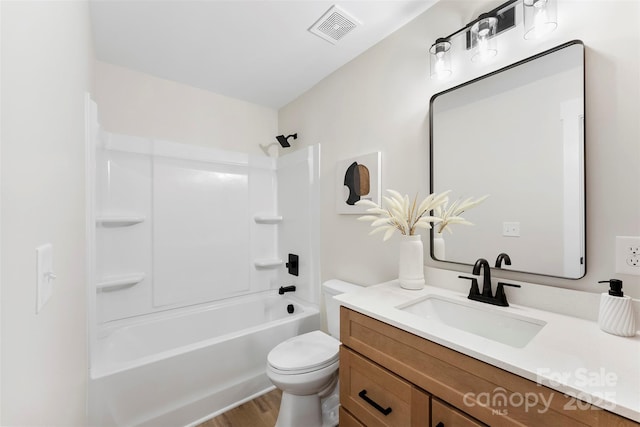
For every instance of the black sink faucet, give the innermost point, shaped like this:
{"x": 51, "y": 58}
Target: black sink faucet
{"x": 284, "y": 289}
{"x": 502, "y": 257}
{"x": 486, "y": 281}
{"x": 486, "y": 296}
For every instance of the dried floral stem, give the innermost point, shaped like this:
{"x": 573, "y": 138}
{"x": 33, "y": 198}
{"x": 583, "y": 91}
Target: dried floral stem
{"x": 406, "y": 217}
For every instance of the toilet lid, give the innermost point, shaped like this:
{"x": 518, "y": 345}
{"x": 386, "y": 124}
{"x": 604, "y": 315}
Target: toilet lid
{"x": 310, "y": 351}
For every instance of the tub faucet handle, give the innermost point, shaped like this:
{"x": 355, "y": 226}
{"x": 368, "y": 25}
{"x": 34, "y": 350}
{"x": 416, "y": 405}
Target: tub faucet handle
{"x": 292, "y": 265}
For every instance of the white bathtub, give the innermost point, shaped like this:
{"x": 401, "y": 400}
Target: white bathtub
{"x": 178, "y": 369}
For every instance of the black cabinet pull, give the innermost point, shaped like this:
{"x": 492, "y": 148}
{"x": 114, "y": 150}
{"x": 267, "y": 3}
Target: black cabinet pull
{"x": 440, "y": 424}
{"x": 363, "y": 395}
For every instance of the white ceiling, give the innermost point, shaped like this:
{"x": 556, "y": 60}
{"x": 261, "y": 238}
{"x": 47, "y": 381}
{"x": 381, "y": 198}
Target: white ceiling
{"x": 258, "y": 51}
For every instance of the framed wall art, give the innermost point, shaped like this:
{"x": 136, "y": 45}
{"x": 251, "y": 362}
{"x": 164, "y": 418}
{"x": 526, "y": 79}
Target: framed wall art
{"x": 356, "y": 179}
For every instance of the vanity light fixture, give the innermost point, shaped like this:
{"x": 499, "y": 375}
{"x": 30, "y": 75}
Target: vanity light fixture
{"x": 539, "y": 17}
{"x": 441, "y": 59}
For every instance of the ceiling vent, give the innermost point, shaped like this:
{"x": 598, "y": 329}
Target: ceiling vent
{"x": 334, "y": 25}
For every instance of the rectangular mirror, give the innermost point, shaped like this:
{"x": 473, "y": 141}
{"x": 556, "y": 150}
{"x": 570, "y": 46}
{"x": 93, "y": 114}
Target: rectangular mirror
{"x": 516, "y": 134}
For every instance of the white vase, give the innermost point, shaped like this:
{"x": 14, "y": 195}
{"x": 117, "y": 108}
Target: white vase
{"x": 438, "y": 246}
{"x": 411, "y": 263}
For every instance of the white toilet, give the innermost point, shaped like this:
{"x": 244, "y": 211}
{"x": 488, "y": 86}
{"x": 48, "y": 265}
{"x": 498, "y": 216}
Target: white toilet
{"x": 305, "y": 368}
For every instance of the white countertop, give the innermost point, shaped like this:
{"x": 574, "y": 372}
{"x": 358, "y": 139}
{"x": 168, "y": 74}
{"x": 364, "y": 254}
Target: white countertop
{"x": 570, "y": 355}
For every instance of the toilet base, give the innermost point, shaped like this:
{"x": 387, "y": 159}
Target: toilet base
{"x": 316, "y": 410}
{"x": 296, "y": 411}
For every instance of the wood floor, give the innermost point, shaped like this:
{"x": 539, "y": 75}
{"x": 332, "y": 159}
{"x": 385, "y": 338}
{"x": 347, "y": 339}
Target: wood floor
{"x": 259, "y": 412}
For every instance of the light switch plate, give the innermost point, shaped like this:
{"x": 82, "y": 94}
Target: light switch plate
{"x": 511, "y": 229}
{"x": 44, "y": 274}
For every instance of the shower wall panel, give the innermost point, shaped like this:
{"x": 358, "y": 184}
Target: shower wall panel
{"x": 200, "y": 231}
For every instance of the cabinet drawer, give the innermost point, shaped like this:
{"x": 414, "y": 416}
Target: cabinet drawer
{"x": 443, "y": 415}
{"x": 347, "y": 420}
{"x": 376, "y": 397}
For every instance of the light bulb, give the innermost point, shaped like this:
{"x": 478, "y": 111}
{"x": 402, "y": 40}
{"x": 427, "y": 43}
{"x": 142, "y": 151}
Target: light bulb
{"x": 539, "y": 18}
{"x": 483, "y": 48}
{"x": 440, "y": 68}
{"x": 540, "y": 21}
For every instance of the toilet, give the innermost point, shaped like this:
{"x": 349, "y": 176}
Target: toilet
{"x": 305, "y": 368}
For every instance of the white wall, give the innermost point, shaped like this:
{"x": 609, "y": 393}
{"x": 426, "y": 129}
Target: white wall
{"x": 46, "y": 69}
{"x": 380, "y": 101}
{"x": 138, "y": 104}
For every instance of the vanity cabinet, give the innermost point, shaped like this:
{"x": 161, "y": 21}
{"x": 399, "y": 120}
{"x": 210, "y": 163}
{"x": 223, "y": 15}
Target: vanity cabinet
{"x": 390, "y": 377}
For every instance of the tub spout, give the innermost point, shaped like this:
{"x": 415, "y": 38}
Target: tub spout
{"x": 284, "y": 289}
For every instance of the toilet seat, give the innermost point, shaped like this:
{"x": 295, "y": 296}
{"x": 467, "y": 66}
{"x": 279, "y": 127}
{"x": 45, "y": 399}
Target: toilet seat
{"x": 304, "y": 353}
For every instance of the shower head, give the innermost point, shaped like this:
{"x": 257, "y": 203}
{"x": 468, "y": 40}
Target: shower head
{"x": 283, "y": 139}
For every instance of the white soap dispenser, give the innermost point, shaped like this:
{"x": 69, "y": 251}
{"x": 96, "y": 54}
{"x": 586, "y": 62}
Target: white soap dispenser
{"x": 616, "y": 311}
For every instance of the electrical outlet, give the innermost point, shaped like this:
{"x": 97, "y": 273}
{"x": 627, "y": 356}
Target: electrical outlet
{"x": 628, "y": 255}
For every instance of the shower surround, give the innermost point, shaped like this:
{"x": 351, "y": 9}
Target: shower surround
{"x": 186, "y": 248}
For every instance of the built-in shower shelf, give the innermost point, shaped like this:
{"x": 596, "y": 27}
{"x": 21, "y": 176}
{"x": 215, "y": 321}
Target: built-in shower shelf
{"x": 119, "y": 221}
{"x": 268, "y": 219}
{"x": 268, "y": 263}
{"x": 120, "y": 282}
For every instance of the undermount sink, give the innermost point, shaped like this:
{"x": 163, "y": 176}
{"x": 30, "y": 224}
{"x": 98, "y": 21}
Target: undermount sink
{"x": 488, "y": 322}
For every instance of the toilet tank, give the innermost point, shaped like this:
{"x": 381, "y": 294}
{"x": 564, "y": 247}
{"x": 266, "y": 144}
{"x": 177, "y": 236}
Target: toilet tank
{"x": 330, "y": 288}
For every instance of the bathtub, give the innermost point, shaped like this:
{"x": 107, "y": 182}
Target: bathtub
{"x": 181, "y": 368}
